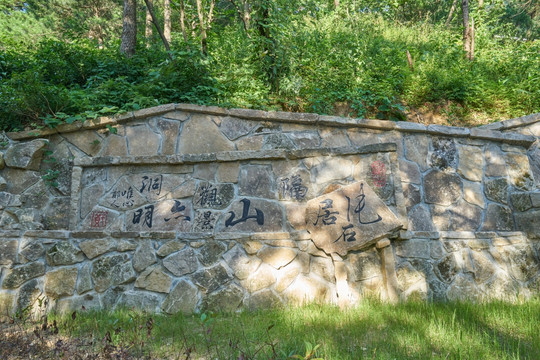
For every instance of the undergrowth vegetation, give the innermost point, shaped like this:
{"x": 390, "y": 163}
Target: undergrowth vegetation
{"x": 372, "y": 330}
{"x": 329, "y": 62}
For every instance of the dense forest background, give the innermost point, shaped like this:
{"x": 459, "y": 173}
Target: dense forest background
{"x": 433, "y": 61}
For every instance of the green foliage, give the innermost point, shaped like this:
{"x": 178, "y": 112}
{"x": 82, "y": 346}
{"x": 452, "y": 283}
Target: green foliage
{"x": 297, "y": 56}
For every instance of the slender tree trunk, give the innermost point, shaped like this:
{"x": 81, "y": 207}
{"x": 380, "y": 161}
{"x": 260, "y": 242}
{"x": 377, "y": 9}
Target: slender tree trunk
{"x": 471, "y": 53}
{"x": 466, "y": 28}
{"x": 167, "y": 19}
{"x": 205, "y": 25}
{"x": 244, "y": 13}
{"x": 129, "y": 28}
{"x": 336, "y": 3}
{"x": 183, "y": 21}
{"x": 158, "y": 28}
{"x": 148, "y": 27}
{"x": 480, "y": 3}
{"x": 451, "y": 13}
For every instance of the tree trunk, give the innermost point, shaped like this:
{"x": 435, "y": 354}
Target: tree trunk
{"x": 451, "y": 13}
{"x": 205, "y": 25}
{"x": 167, "y": 19}
{"x": 156, "y": 24}
{"x": 480, "y": 3}
{"x": 183, "y": 21}
{"x": 148, "y": 27}
{"x": 466, "y": 28}
{"x": 471, "y": 52}
{"x": 129, "y": 28}
{"x": 336, "y": 3}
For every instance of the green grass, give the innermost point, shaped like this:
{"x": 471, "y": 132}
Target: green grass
{"x": 372, "y": 330}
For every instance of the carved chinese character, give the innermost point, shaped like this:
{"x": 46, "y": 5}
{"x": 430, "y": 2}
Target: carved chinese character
{"x": 177, "y": 208}
{"x": 259, "y": 215}
{"x": 327, "y": 217}
{"x": 358, "y": 209}
{"x": 147, "y": 216}
{"x": 347, "y": 234}
{"x": 293, "y": 188}
{"x": 151, "y": 184}
{"x": 208, "y": 196}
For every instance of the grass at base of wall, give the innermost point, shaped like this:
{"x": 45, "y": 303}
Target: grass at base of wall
{"x": 372, "y": 330}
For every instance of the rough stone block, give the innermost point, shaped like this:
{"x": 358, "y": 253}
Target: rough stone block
{"x": 8, "y": 251}
{"x": 471, "y": 162}
{"x": 64, "y": 253}
{"x": 60, "y": 282}
{"x": 277, "y": 257}
{"x": 212, "y": 278}
{"x": 442, "y": 188}
{"x": 227, "y": 299}
{"x": 26, "y": 155}
{"x": 183, "y": 298}
{"x": 498, "y": 218}
{"x": 15, "y": 277}
{"x": 496, "y": 190}
{"x": 112, "y": 270}
{"x": 195, "y": 133}
{"x": 154, "y": 279}
{"x": 241, "y": 264}
{"x": 182, "y": 262}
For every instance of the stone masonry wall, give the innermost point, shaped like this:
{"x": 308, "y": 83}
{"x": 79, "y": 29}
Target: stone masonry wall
{"x": 184, "y": 208}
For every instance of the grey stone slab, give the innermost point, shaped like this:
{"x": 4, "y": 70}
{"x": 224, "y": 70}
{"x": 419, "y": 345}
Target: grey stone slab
{"x": 196, "y": 135}
{"x": 17, "y": 276}
{"x": 442, "y": 188}
{"x": 498, "y": 218}
{"x": 496, "y": 190}
{"x": 26, "y": 155}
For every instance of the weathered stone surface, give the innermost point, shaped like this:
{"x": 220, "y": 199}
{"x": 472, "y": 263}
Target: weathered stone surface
{"x": 19, "y": 180}
{"x": 471, "y": 162}
{"x": 263, "y": 300}
{"x": 448, "y": 267}
{"x": 186, "y": 189}
{"x": 36, "y": 196}
{"x": 154, "y": 279}
{"x": 528, "y": 222}
{"x": 28, "y": 295}
{"x": 305, "y": 140}
{"x": 409, "y": 172}
{"x": 498, "y": 218}
{"x": 411, "y": 282}
{"x": 148, "y": 302}
{"x": 465, "y": 217}
{"x": 84, "y": 283}
{"x": 338, "y": 226}
{"x": 213, "y": 196}
{"x": 211, "y": 252}
{"x": 442, "y": 188}
{"x": 94, "y": 248}
{"x": 26, "y": 155}
{"x": 412, "y": 195}
{"x": 250, "y": 143}
{"x": 76, "y": 303}
{"x": 125, "y": 245}
{"x": 54, "y": 217}
{"x": 228, "y": 172}
{"x": 364, "y": 265}
{"x": 169, "y": 132}
{"x": 31, "y": 252}
{"x": 359, "y": 137}
{"x": 501, "y": 286}
{"x": 521, "y": 201}
{"x": 519, "y": 171}
{"x": 495, "y": 161}
{"x": 416, "y": 149}
{"x": 142, "y": 141}
{"x": 463, "y": 288}
{"x": 227, "y": 299}
{"x": 60, "y": 282}
{"x": 287, "y": 275}
{"x": 181, "y": 263}
{"x": 183, "y": 298}
{"x": 484, "y": 268}
{"x": 413, "y": 249}
{"x": 114, "y": 145}
{"x": 144, "y": 256}
{"x": 112, "y": 270}
{"x": 87, "y": 141}
{"x": 496, "y": 190}
{"x": 277, "y": 141}
{"x": 170, "y": 247}
{"x": 472, "y": 193}
{"x": 523, "y": 264}
{"x": 276, "y": 257}
{"x": 420, "y": 220}
{"x": 211, "y": 279}
{"x": 8, "y": 251}
{"x": 233, "y": 128}
{"x": 262, "y": 279}
{"x": 305, "y": 290}
{"x": 15, "y": 277}
{"x": 261, "y": 216}
{"x": 257, "y": 180}
{"x": 332, "y": 169}
{"x": 63, "y": 166}
{"x": 7, "y": 301}
{"x": 195, "y": 134}
{"x": 324, "y": 267}
{"x": 444, "y": 155}
{"x": 334, "y": 138}
{"x": 242, "y": 264}
{"x": 64, "y": 253}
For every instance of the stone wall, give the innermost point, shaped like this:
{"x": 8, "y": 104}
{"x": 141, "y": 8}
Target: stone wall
{"x": 183, "y": 208}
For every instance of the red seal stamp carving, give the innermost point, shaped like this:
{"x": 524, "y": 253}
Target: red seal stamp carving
{"x": 99, "y": 219}
{"x": 378, "y": 173}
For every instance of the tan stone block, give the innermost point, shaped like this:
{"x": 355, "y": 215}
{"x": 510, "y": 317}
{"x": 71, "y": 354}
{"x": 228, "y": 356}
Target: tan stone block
{"x": 154, "y": 279}
{"x": 262, "y": 279}
{"x": 296, "y": 216}
{"x": 142, "y": 141}
{"x": 473, "y": 194}
{"x": 471, "y": 162}
{"x": 276, "y": 257}
{"x": 201, "y": 136}
{"x": 228, "y": 172}
{"x": 61, "y": 282}
{"x": 115, "y": 146}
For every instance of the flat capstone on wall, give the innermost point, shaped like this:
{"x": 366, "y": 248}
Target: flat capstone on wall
{"x": 184, "y": 208}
